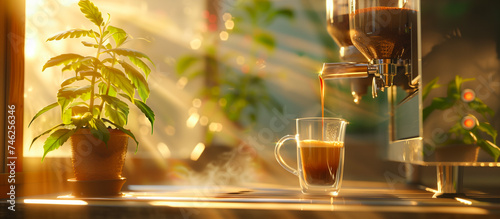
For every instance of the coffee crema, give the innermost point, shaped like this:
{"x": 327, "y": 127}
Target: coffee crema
{"x": 320, "y": 161}
{"x": 384, "y": 32}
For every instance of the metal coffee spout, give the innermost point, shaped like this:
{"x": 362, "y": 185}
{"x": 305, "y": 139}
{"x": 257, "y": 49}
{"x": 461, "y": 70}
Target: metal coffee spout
{"x": 346, "y": 70}
{"x": 384, "y": 70}
{"x": 379, "y": 73}
{"x": 361, "y": 75}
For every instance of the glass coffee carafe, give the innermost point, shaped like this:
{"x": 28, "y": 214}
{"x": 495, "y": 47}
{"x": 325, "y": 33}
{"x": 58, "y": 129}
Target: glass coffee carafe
{"x": 337, "y": 24}
{"x": 383, "y": 31}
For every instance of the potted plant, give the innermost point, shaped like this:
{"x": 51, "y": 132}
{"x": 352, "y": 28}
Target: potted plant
{"x": 94, "y": 102}
{"x": 468, "y": 133}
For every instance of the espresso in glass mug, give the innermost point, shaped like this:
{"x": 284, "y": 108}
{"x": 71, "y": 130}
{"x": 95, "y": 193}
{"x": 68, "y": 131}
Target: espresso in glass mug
{"x": 320, "y": 154}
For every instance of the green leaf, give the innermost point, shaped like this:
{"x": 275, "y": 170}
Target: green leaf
{"x": 81, "y": 117}
{"x": 479, "y": 106}
{"x": 488, "y": 129}
{"x": 468, "y": 79}
{"x": 118, "y": 79}
{"x": 80, "y": 65}
{"x": 470, "y": 138}
{"x": 118, "y": 34}
{"x": 61, "y": 59}
{"x": 148, "y": 112}
{"x": 194, "y": 74}
{"x": 185, "y": 63}
{"x": 263, "y": 5}
{"x": 71, "y": 66}
{"x": 74, "y": 33}
{"x": 67, "y": 94}
{"x": 99, "y": 130}
{"x": 115, "y": 103}
{"x": 455, "y": 86}
{"x": 56, "y": 139}
{"x": 91, "y": 12}
{"x": 128, "y": 52}
{"x": 427, "y": 111}
{"x": 71, "y": 80}
{"x": 67, "y": 115}
{"x": 103, "y": 88}
{"x": 252, "y": 13}
{"x": 74, "y": 109}
{"x": 85, "y": 96}
{"x": 443, "y": 103}
{"x": 431, "y": 85}
{"x": 42, "y": 111}
{"x": 239, "y": 23}
{"x": 458, "y": 129}
{"x": 97, "y": 110}
{"x": 106, "y": 32}
{"x": 89, "y": 44}
{"x": 125, "y": 131}
{"x": 80, "y": 103}
{"x": 115, "y": 109}
{"x": 92, "y": 45}
{"x": 286, "y": 13}
{"x": 140, "y": 64}
{"x": 109, "y": 60}
{"x": 266, "y": 40}
{"x": 137, "y": 79}
{"x": 90, "y": 73}
{"x": 440, "y": 103}
{"x": 114, "y": 115}
{"x": 490, "y": 148}
{"x": 44, "y": 133}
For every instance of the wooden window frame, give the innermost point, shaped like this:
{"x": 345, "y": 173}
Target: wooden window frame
{"x": 12, "y": 36}
{"x": 12, "y": 63}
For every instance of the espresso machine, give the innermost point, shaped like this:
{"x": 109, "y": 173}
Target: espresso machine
{"x": 416, "y": 53}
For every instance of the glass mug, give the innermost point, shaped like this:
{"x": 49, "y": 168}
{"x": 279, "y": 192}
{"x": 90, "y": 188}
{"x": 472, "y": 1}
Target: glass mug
{"x": 320, "y": 154}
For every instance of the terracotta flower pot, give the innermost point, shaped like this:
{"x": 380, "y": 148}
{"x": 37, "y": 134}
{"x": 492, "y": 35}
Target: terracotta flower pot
{"x": 457, "y": 153}
{"x": 96, "y": 164}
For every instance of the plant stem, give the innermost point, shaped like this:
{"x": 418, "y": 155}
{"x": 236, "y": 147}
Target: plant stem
{"x": 92, "y": 84}
{"x": 107, "y": 89}
{"x": 91, "y": 107}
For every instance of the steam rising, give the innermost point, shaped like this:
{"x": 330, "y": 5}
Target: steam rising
{"x": 229, "y": 168}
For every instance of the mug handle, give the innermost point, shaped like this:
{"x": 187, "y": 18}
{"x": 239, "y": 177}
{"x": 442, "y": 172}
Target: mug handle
{"x": 278, "y": 156}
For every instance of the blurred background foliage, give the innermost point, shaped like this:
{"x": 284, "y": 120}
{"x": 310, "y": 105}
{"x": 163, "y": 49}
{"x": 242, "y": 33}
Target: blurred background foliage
{"x": 225, "y": 69}
{"x": 241, "y": 91}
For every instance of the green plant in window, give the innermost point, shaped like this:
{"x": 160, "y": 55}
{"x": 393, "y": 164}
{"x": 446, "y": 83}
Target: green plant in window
{"x": 459, "y": 133}
{"x": 99, "y": 87}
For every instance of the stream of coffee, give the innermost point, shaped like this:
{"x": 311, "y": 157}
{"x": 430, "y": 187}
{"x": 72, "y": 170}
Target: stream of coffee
{"x": 322, "y": 94}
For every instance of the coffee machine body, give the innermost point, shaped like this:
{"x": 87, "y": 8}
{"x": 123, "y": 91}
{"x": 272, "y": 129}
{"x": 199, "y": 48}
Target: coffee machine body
{"x": 440, "y": 99}
{"x": 457, "y": 59}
